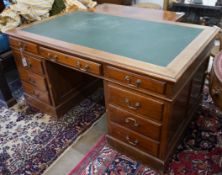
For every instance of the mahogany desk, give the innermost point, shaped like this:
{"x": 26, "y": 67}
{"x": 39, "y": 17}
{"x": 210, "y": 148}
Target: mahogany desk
{"x": 152, "y": 73}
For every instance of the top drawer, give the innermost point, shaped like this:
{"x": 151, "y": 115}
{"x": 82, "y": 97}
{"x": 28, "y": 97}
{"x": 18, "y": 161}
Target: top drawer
{"x": 135, "y": 80}
{"x": 75, "y": 62}
{"x": 26, "y": 46}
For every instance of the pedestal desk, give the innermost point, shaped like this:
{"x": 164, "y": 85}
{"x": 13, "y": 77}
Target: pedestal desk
{"x": 152, "y": 73}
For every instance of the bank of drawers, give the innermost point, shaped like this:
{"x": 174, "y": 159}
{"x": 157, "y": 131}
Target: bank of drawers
{"x": 31, "y": 73}
{"x": 134, "y": 118}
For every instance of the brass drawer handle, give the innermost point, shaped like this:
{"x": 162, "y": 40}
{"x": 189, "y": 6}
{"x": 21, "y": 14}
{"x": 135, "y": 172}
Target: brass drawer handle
{"x": 31, "y": 80}
{"x": 84, "y": 69}
{"x": 129, "y": 82}
{"x": 35, "y": 94}
{"x": 29, "y": 65}
{"x": 53, "y": 58}
{"x": 129, "y": 119}
{"x": 136, "y": 106}
{"x": 132, "y": 142}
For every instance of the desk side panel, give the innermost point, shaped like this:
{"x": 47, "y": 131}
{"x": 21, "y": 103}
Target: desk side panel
{"x": 183, "y": 107}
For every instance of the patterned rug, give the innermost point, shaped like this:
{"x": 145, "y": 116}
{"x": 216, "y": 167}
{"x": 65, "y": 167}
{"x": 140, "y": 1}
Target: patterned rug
{"x": 30, "y": 141}
{"x": 200, "y": 153}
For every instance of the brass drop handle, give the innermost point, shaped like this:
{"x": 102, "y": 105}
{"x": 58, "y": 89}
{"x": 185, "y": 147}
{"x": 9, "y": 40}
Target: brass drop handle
{"x": 31, "y": 80}
{"x": 82, "y": 68}
{"x": 132, "y": 142}
{"x": 129, "y": 82}
{"x": 53, "y": 58}
{"x": 35, "y": 94}
{"x": 129, "y": 119}
{"x": 29, "y": 65}
{"x": 136, "y": 106}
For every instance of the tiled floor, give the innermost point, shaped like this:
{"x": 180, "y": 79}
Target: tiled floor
{"x": 71, "y": 157}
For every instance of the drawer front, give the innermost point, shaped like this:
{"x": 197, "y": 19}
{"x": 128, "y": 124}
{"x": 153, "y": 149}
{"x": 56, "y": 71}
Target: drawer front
{"x": 134, "y": 80}
{"x": 32, "y": 91}
{"x": 75, "y": 62}
{"x": 134, "y": 122}
{"x": 135, "y": 102}
{"x": 33, "y": 64}
{"x": 32, "y": 78}
{"x": 136, "y": 140}
{"x": 24, "y": 45}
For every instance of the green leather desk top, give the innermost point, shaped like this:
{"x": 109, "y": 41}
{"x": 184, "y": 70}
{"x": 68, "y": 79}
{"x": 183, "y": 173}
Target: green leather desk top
{"x": 153, "y": 42}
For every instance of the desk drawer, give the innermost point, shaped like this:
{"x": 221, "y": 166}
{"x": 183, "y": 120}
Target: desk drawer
{"x": 25, "y": 45}
{"x": 134, "y": 122}
{"x": 135, "y": 102}
{"x": 75, "y": 62}
{"x": 32, "y": 78}
{"x": 32, "y": 91}
{"x": 134, "y": 80}
{"x": 132, "y": 138}
{"x": 33, "y": 64}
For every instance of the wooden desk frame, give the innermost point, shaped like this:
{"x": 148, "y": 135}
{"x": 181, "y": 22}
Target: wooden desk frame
{"x": 154, "y": 103}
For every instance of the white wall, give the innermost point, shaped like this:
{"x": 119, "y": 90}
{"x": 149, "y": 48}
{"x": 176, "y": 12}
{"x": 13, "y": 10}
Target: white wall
{"x": 153, "y": 1}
